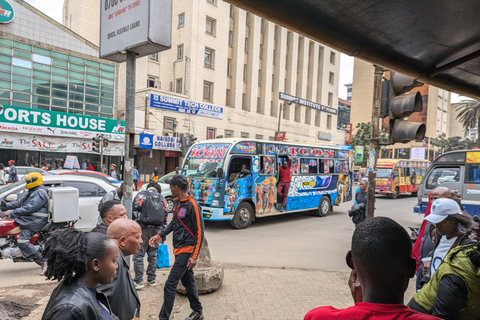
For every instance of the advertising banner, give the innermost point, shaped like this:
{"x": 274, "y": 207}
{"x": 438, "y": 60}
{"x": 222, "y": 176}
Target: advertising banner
{"x": 149, "y": 141}
{"x": 55, "y": 144}
{"x": 185, "y": 106}
{"x": 359, "y": 154}
{"x": 417, "y": 153}
{"x": 60, "y": 124}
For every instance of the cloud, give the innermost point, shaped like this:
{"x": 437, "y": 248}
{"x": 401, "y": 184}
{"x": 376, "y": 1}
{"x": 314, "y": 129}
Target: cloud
{"x": 52, "y": 8}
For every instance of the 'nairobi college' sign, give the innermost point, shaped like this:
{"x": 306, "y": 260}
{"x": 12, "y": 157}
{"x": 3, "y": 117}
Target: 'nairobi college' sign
{"x": 6, "y": 12}
{"x": 51, "y": 123}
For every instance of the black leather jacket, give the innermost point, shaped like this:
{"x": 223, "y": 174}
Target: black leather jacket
{"x": 73, "y": 301}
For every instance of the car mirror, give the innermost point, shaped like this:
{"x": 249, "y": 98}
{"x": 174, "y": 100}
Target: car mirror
{"x": 220, "y": 172}
{"x": 11, "y": 198}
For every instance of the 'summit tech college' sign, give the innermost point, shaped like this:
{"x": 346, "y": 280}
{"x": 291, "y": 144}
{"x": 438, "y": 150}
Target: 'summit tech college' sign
{"x": 184, "y": 106}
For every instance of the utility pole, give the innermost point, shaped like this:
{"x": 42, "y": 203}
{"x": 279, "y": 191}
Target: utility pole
{"x": 374, "y": 142}
{"x": 101, "y": 152}
{"x": 129, "y": 133}
{"x": 280, "y": 116}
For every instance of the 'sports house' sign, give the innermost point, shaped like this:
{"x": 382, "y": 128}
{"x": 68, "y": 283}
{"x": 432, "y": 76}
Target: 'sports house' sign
{"x": 6, "y": 12}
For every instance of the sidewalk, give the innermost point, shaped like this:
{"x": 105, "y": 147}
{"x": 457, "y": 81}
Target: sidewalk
{"x": 249, "y": 293}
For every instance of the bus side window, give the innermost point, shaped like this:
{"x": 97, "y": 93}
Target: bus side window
{"x": 395, "y": 174}
{"x": 474, "y": 173}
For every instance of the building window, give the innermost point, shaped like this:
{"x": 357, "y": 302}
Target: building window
{"x": 152, "y": 82}
{"x": 330, "y": 99}
{"x": 228, "y": 134}
{"x": 244, "y": 135}
{"x": 260, "y": 51}
{"x": 317, "y": 118}
{"x": 168, "y": 124}
{"x": 211, "y": 2}
{"x": 246, "y": 45}
{"x": 332, "y": 57}
{"x": 180, "y": 52}
{"x": 209, "y": 56}
{"x": 211, "y": 133}
{"x": 331, "y": 77}
{"x": 247, "y": 18}
{"x": 244, "y": 72}
{"x": 244, "y": 100}
{"x": 210, "y": 26}
{"x": 259, "y": 77}
{"x": 329, "y": 121}
{"x": 178, "y": 85}
{"x": 207, "y": 90}
{"x": 230, "y": 38}
{"x": 181, "y": 19}
{"x": 259, "y": 136}
{"x": 298, "y": 113}
{"x": 231, "y": 11}
{"x": 229, "y": 62}
{"x": 227, "y": 97}
{"x": 153, "y": 57}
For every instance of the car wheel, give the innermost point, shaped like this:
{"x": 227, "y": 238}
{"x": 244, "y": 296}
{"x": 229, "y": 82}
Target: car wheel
{"x": 243, "y": 216}
{"x": 395, "y": 194}
{"x": 170, "y": 204}
{"x": 323, "y": 207}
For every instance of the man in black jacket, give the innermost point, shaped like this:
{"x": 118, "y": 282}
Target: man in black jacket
{"x": 121, "y": 293}
{"x": 187, "y": 227}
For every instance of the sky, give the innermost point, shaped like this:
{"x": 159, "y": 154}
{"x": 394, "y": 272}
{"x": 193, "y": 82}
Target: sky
{"x": 54, "y": 8}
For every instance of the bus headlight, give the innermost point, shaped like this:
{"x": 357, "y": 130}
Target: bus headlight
{"x": 215, "y": 203}
{"x": 216, "y": 194}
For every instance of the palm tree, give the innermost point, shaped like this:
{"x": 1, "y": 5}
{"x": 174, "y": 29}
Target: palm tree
{"x": 469, "y": 115}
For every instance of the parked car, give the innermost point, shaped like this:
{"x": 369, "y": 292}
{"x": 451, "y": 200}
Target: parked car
{"x": 166, "y": 192}
{"x": 90, "y": 191}
{"x": 87, "y": 173}
{"x": 22, "y": 171}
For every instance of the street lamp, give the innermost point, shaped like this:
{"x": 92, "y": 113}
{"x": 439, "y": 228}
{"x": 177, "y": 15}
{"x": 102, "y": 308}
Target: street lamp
{"x": 280, "y": 112}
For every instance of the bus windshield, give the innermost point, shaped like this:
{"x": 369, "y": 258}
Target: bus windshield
{"x": 204, "y": 159}
{"x": 384, "y": 173}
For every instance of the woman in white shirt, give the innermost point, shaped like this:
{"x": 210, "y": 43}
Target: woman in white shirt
{"x": 3, "y": 175}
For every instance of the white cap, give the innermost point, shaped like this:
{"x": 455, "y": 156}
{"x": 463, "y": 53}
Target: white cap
{"x": 441, "y": 208}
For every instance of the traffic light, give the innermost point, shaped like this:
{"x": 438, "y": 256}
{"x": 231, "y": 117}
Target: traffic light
{"x": 96, "y": 145}
{"x": 187, "y": 140}
{"x": 105, "y": 143}
{"x": 398, "y": 103}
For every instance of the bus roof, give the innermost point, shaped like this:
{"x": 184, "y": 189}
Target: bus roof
{"x": 457, "y": 156}
{"x": 390, "y": 163}
{"x": 288, "y": 143}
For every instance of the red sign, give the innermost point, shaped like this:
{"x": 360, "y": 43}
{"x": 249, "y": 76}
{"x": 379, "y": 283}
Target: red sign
{"x": 170, "y": 154}
{"x": 280, "y": 135}
{"x": 348, "y": 137}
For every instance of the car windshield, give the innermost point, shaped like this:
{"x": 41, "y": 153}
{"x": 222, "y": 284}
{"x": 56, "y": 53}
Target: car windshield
{"x": 204, "y": 159}
{"x": 12, "y": 186}
{"x": 168, "y": 175}
{"x": 384, "y": 173}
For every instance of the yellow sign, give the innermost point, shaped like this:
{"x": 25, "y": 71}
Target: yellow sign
{"x": 473, "y": 157}
{"x": 308, "y": 184}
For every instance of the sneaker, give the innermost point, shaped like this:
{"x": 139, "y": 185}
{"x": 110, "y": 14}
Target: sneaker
{"x": 139, "y": 286}
{"x": 152, "y": 283}
{"x": 195, "y": 315}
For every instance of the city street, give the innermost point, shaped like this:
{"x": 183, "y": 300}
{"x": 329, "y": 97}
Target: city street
{"x": 285, "y": 264}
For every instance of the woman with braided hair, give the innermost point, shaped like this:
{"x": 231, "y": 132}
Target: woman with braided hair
{"x": 80, "y": 262}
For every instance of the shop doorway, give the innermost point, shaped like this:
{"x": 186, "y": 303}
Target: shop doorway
{"x": 170, "y": 164}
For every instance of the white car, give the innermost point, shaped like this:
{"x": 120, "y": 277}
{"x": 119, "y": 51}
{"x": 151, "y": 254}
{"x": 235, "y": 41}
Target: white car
{"x": 166, "y": 192}
{"x": 90, "y": 192}
{"x": 22, "y": 171}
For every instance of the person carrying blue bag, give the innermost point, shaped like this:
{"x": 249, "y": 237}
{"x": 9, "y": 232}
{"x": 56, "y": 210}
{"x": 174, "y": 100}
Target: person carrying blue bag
{"x": 150, "y": 211}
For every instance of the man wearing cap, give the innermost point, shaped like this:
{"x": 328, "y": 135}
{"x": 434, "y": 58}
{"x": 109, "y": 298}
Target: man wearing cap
{"x": 188, "y": 234}
{"x": 12, "y": 172}
{"x": 446, "y": 216}
{"x": 114, "y": 173}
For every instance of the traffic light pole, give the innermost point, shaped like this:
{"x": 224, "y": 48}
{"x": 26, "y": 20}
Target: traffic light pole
{"x": 101, "y": 152}
{"x": 374, "y": 142}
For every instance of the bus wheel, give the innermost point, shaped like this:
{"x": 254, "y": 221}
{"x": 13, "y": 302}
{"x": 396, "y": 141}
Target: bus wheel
{"x": 395, "y": 194}
{"x": 414, "y": 194}
{"x": 243, "y": 216}
{"x": 323, "y": 207}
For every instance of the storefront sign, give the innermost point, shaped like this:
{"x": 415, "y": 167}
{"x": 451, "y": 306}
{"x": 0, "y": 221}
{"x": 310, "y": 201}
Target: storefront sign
{"x": 348, "y": 136}
{"x": 55, "y": 144}
{"x": 306, "y": 103}
{"x": 171, "y": 154}
{"x": 184, "y": 106}
{"x": 149, "y": 141}
{"x": 60, "y": 124}
{"x": 417, "y": 153}
{"x": 324, "y": 136}
{"x": 6, "y": 12}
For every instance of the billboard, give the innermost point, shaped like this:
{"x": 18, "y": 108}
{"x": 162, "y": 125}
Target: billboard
{"x": 185, "y": 106}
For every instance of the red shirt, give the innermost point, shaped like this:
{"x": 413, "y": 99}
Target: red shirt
{"x": 367, "y": 310}
{"x": 285, "y": 174}
{"x": 90, "y": 167}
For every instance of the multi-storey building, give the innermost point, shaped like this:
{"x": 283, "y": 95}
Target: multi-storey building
{"x": 436, "y": 108}
{"x": 232, "y": 65}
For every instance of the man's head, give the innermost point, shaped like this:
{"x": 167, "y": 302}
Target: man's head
{"x": 120, "y": 191}
{"x": 244, "y": 166}
{"x": 113, "y": 167}
{"x": 154, "y": 185}
{"x": 127, "y": 234}
{"x": 178, "y": 184}
{"x": 11, "y": 162}
{"x": 285, "y": 164}
{"x": 446, "y": 216}
{"x": 112, "y": 210}
{"x": 440, "y": 192}
{"x": 381, "y": 255}
{"x": 363, "y": 185}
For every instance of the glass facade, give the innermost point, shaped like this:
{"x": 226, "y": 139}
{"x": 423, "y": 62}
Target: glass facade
{"x": 37, "y": 78}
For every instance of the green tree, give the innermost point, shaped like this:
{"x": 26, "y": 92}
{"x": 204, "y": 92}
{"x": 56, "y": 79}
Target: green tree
{"x": 469, "y": 115}
{"x": 450, "y": 144}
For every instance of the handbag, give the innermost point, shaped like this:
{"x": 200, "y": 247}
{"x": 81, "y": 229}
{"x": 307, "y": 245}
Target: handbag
{"x": 163, "y": 258}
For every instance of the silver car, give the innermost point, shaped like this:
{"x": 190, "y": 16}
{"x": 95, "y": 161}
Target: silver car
{"x": 166, "y": 192}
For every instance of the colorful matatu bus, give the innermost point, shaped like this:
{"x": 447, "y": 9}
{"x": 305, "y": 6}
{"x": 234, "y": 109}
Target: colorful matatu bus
{"x": 399, "y": 176}
{"x": 455, "y": 170}
{"x": 321, "y": 178}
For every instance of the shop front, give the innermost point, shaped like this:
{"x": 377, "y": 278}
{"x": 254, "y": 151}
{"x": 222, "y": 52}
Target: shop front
{"x": 33, "y": 136}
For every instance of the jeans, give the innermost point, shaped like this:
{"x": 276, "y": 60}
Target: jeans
{"x": 151, "y": 252}
{"x": 178, "y": 273}
{"x": 27, "y": 249}
{"x": 135, "y": 183}
{"x": 282, "y": 192}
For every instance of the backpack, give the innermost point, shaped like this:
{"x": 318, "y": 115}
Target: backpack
{"x": 155, "y": 209}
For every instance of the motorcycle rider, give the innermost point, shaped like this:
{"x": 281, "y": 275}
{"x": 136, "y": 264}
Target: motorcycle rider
{"x": 30, "y": 212}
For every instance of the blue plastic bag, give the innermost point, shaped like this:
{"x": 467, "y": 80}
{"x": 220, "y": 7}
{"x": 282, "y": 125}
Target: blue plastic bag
{"x": 163, "y": 258}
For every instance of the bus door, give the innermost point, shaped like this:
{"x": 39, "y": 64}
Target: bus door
{"x": 471, "y": 187}
{"x": 239, "y": 185}
{"x": 265, "y": 193}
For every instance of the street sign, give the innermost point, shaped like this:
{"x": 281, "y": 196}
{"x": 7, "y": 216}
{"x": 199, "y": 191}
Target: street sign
{"x": 6, "y": 12}
{"x": 140, "y": 26}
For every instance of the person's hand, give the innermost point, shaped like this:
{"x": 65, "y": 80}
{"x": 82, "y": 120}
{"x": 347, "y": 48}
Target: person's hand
{"x": 191, "y": 263}
{"x": 154, "y": 240}
{"x": 424, "y": 270}
{"x": 4, "y": 214}
{"x": 355, "y": 287}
